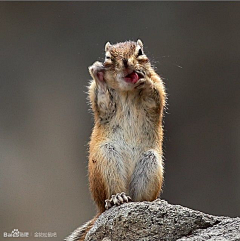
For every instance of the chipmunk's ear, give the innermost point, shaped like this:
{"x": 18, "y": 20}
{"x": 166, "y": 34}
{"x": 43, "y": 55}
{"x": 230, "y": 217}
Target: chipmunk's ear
{"x": 139, "y": 49}
{"x": 107, "y": 46}
{"x": 139, "y": 42}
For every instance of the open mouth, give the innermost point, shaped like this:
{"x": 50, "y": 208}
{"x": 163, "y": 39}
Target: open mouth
{"x": 133, "y": 77}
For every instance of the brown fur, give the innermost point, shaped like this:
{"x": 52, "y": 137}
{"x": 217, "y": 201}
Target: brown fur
{"x": 125, "y": 151}
{"x": 80, "y": 233}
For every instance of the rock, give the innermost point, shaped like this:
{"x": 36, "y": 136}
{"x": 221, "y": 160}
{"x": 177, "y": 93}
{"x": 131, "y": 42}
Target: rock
{"x": 158, "y": 220}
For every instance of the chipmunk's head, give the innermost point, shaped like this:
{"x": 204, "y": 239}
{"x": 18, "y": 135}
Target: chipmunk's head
{"x": 125, "y": 64}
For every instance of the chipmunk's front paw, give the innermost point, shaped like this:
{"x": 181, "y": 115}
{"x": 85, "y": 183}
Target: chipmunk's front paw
{"x": 97, "y": 71}
{"x": 117, "y": 200}
{"x": 143, "y": 83}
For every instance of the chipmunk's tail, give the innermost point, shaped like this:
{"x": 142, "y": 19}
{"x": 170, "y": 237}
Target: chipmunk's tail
{"x": 80, "y": 233}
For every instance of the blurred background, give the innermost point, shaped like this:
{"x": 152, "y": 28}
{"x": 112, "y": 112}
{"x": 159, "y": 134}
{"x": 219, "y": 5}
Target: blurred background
{"x": 45, "y": 123}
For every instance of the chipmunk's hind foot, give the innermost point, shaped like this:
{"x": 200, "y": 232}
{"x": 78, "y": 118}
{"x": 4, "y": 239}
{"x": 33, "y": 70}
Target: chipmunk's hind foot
{"x": 117, "y": 200}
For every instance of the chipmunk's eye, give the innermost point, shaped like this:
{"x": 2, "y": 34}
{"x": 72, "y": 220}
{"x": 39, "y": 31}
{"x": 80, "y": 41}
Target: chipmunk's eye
{"x": 140, "y": 52}
{"x": 108, "y": 60}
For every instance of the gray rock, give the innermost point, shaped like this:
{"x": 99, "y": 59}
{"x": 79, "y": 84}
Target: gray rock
{"x": 159, "y": 220}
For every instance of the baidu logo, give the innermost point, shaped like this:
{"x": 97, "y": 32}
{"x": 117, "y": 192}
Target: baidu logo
{"x": 16, "y": 234}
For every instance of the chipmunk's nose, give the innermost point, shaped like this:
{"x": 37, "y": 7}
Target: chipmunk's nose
{"x": 125, "y": 63}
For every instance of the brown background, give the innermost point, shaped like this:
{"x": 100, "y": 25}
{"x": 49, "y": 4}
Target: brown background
{"x": 45, "y": 124}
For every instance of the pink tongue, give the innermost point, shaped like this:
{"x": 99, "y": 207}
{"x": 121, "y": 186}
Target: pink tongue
{"x": 133, "y": 78}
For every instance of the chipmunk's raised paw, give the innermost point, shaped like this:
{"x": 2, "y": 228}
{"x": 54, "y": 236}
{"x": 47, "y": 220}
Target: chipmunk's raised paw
{"x": 97, "y": 70}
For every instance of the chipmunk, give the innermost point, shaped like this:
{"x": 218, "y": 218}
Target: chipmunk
{"x": 125, "y": 153}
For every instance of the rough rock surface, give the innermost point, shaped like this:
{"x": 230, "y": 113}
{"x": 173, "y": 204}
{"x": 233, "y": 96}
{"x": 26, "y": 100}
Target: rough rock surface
{"x": 159, "y": 220}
